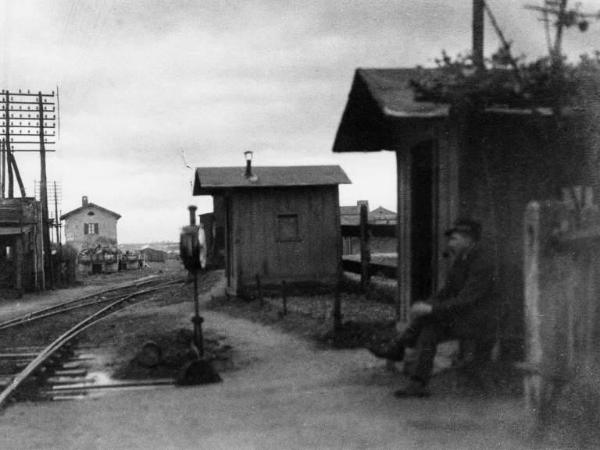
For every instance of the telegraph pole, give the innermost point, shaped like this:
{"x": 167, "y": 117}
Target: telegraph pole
{"x": 56, "y": 220}
{"x": 2, "y": 167}
{"x": 44, "y": 197}
{"x": 478, "y": 33}
{"x": 27, "y": 120}
{"x": 8, "y": 163}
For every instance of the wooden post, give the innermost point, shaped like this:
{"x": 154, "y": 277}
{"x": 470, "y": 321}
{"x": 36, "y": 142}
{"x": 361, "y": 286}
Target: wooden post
{"x": 478, "y": 33}
{"x": 403, "y": 233}
{"x": 284, "y": 298}
{"x": 259, "y": 291}
{"x": 2, "y": 168}
{"x": 19, "y": 264}
{"x": 552, "y": 292}
{"x": 337, "y": 308}
{"x": 337, "y": 302}
{"x": 365, "y": 251}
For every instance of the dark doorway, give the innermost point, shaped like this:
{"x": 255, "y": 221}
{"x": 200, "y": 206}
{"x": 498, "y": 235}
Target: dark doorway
{"x": 423, "y": 220}
{"x": 6, "y": 263}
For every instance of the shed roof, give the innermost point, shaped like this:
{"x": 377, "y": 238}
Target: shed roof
{"x": 380, "y": 100}
{"x": 391, "y": 90}
{"x": 90, "y": 205}
{"x": 211, "y": 179}
{"x": 382, "y": 109}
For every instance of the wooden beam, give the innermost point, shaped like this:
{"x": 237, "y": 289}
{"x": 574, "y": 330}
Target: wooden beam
{"x": 365, "y": 251}
{"x": 403, "y": 294}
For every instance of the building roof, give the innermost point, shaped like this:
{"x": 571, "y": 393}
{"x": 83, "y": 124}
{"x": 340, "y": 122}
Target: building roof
{"x": 211, "y": 179}
{"x": 391, "y": 90}
{"x": 381, "y": 211}
{"x": 90, "y": 205}
{"x": 350, "y": 215}
{"x": 380, "y": 101}
{"x": 382, "y": 111}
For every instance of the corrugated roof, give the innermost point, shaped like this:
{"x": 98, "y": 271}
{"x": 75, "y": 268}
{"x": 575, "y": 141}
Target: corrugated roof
{"x": 209, "y": 179}
{"x": 81, "y": 208}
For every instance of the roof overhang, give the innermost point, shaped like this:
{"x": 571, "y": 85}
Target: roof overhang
{"x": 90, "y": 206}
{"x": 381, "y": 112}
{"x": 217, "y": 180}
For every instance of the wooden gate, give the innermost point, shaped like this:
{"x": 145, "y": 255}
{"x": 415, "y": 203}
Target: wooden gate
{"x": 562, "y": 295}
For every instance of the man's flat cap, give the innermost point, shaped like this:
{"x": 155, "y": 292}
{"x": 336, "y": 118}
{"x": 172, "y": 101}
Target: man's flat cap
{"x": 466, "y": 226}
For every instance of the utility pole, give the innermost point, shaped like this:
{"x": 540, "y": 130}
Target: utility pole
{"x": 7, "y": 140}
{"x": 478, "y": 34}
{"x": 2, "y": 167}
{"x": 27, "y": 120}
{"x": 44, "y": 196}
{"x": 56, "y": 219}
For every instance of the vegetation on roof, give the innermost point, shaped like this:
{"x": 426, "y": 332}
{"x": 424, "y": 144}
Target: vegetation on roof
{"x": 549, "y": 81}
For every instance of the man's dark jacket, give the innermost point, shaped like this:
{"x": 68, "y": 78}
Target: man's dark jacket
{"x": 468, "y": 298}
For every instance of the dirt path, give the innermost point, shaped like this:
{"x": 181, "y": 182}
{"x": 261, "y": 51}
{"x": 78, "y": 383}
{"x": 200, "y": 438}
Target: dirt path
{"x": 284, "y": 393}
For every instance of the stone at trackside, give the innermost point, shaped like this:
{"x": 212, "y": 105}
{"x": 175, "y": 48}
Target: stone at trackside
{"x": 150, "y": 355}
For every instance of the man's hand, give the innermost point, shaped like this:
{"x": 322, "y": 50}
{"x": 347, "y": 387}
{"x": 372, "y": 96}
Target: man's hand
{"x": 419, "y": 309}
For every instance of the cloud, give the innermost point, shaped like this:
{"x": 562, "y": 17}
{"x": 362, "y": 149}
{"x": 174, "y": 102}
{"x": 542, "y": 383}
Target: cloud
{"x": 141, "y": 80}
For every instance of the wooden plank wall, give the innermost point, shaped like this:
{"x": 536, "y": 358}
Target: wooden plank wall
{"x": 257, "y": 250}
{"x": 562, "y": 287}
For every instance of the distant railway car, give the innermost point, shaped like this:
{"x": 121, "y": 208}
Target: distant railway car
{"x": 153, "y": 255}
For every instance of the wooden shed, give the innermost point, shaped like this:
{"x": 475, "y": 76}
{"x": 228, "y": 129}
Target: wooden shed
{"x": 487, "y": 166}
{"x": 153, "y": 255}
{"x": 21, "y": 248}
{"x": 280, "y": 223}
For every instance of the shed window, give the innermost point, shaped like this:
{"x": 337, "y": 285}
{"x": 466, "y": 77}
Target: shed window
{"x": 90, "y": 228}
{"x": 287, "y": 227}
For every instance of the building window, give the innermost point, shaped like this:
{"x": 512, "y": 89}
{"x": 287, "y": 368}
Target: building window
{"x": 90, "y": 228}
{"x": 287, "y": 228}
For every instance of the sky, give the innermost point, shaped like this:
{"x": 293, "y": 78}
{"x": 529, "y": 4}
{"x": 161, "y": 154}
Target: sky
{"x": 150, "y": 87}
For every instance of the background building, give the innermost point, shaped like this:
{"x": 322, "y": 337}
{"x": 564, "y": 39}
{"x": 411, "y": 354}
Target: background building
{"x": 90, "y": 225}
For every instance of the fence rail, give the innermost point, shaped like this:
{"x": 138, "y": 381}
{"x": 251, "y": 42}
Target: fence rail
{"x": 374, "y": 269}
{"x": 374, "y": 230}
{"x": 364, "y": 231}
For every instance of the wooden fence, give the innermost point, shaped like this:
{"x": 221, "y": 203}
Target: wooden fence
{"x": 562, "y": 295}
{"x": 364, "y": 231}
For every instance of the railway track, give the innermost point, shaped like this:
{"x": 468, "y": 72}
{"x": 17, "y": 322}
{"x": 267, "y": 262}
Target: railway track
{"x": 48, "y": 360}
{"x": 80, "y": 302}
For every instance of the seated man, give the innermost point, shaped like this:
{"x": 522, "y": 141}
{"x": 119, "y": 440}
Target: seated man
{"x": 464, "y": 308}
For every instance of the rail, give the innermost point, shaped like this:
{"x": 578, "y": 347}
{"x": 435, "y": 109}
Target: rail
{"x": 67, "y": 336}
{"x": 79, "y": 302}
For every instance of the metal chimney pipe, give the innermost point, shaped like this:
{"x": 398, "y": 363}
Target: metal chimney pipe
{"x": 248, "y": 155}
